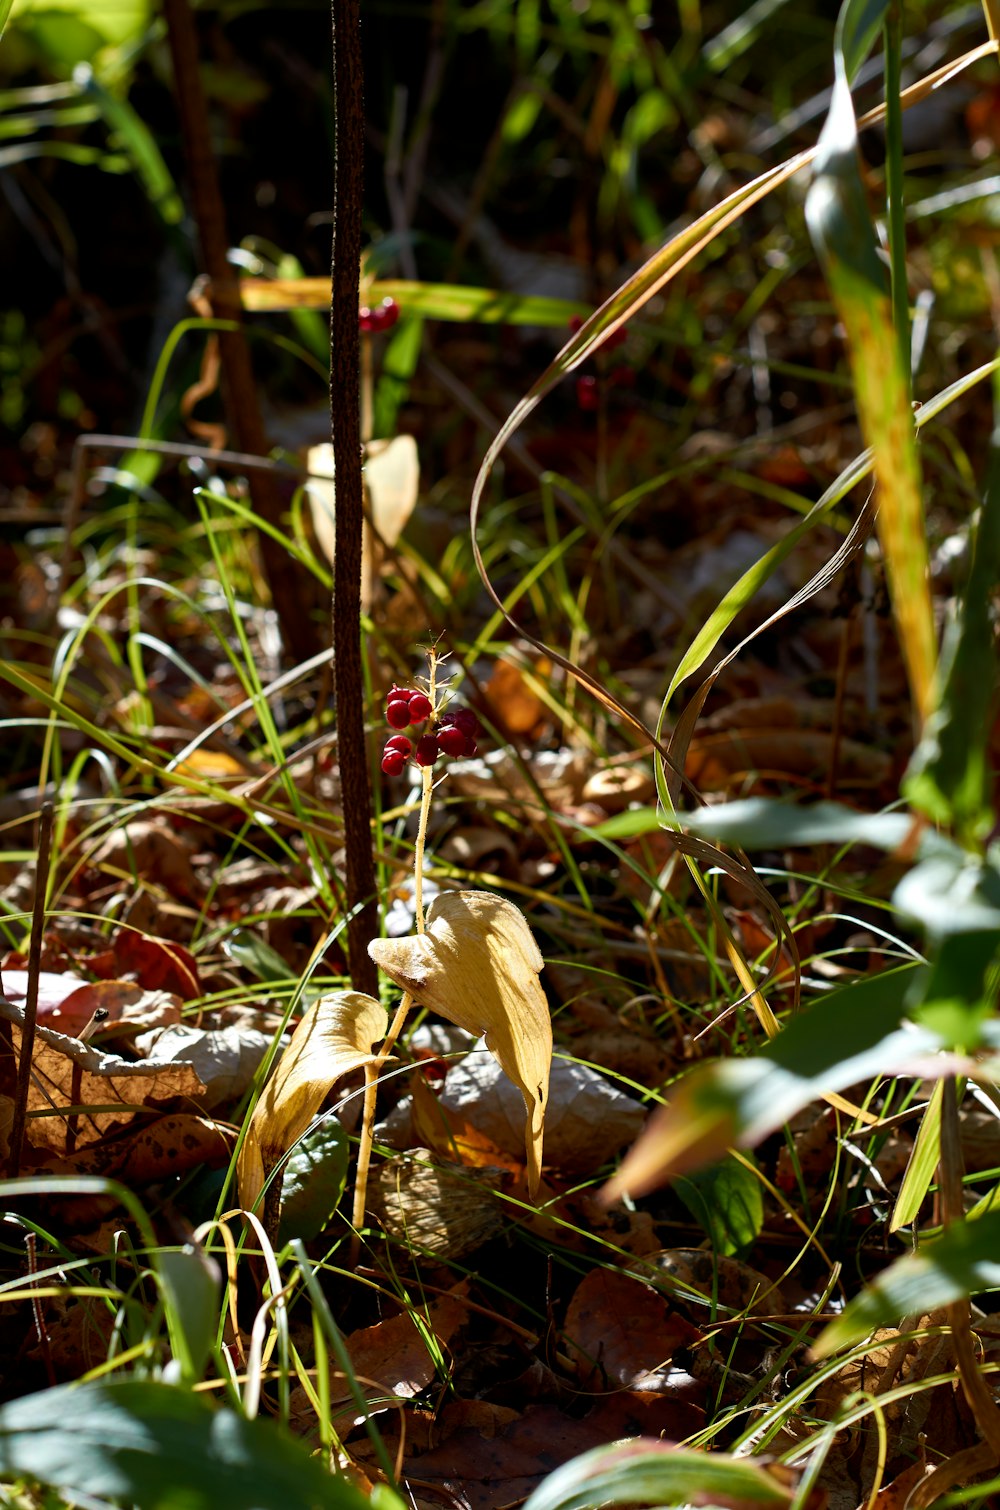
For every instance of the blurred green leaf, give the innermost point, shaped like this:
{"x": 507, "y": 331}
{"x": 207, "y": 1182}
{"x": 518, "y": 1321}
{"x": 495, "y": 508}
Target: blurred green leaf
{"x": 963, "y": 1261}
{"x": 648, "y": 1472}
{"x": 5, "y": 9}
{"x": 134, "y": 136}
{"x": 853, "y": 1034}
{"x": 951, "y": 894}
{"x": 955, "y": 1003}
{"x": 763, "y": 823}
{"x": 67, "y": 32}
{"x": 727, "y": 1200}
{"x": 396, "y": 369}
{"x": 190, "y": 1282}
{"x": 161, "y": 1448}
{"x": 949, "y": 777}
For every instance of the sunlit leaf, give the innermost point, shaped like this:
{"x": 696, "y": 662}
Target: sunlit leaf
{"x": 334, "y": 1037}
{"x": 478, "y": 965}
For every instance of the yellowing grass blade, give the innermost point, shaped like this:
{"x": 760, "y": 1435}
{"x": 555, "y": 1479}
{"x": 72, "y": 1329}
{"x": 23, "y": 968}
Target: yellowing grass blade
{"x": 478, "y": 964}
{"x": 334, "y": 1037}
{"x": 843, "y": 234}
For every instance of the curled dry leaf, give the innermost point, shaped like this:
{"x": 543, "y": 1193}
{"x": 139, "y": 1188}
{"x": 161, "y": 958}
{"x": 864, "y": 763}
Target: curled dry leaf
{"x": 334, "y": 1037}
{"x": 478, "y": 965}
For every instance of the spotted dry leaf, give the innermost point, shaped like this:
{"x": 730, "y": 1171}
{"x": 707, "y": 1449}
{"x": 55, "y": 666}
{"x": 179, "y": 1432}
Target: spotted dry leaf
{"x": 478, "y": 964}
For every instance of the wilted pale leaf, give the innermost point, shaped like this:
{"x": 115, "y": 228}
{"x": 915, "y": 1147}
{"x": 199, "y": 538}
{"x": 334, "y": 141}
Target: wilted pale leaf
{"x": 478, "y": 964}
{"x": 392, "y": 481}
{"x": 334, "y": 1037}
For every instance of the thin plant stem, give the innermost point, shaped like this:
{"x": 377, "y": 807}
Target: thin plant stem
{"x": 23, "y": 1087}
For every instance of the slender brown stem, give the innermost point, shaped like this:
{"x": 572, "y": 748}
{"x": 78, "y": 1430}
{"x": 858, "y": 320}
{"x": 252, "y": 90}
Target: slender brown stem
{"x": 20, "y": 1116}
{"x": 372, "y": 1072}
{"x": 345, "y": 421}
{"x": 289, "y": 584}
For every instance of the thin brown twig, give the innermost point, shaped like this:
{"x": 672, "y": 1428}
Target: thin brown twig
{"x": 31, "y": 993}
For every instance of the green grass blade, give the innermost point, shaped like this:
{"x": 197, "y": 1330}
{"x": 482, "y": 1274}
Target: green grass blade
{"x": 844, "y": 237}
{"x": 922, "y": 1164}
{"x": 949, "y": 777}
{"x": 646, "y": 1472}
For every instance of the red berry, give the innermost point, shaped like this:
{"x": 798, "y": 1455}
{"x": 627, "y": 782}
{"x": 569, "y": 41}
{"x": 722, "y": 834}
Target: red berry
{"x": 622, "y": 376}
{"x": 616, "y": 338}
{"x": 367, "y": 318}
{"x": 387, "y": 314}
{"x": 451, "y": 739}
{"x": 427, "y": 750}
{"x": 399, "y": 742}
{"x": 471, "y": 748}
{"x": 420, "y": 707}
{"x": 393, "y": 762}
{"x": 397, "y": 714}
{"x": 575, "y": 323}
{"x": 587, "y": 396}
{"x": 466, "y": 720}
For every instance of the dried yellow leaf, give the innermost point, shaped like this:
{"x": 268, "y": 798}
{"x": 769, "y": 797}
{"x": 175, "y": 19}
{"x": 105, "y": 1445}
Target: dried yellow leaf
{"x": 477, "y": 964}
{"x": 332, "y": 1038}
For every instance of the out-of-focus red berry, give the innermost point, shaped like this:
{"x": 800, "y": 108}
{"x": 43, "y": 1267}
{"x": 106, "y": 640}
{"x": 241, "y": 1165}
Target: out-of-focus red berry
{"x": 466, "y": 720}
{"x": 386, "y": 314}
{"x": 622, "y": 376}
{"x": 471, "y": 748}
{"x": 366, "y": 319}
{"x": 451, "y": 739}
{"x": 615, "y": 339}
{"x": 399, "y": 742}
{"x": 427, "y": 750}
{"x": 587, "y": 396}
{"x": 393, "y": 762}
{"x": 397, "y": 714}
{"x": 420, "y": 707}
{"x": 575, "y": 323}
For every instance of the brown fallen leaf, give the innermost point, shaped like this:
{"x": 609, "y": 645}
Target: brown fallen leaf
{"x": 334, "y": 1037}
{"x": 226, "y": 1058}
{"x": 168, "y": 1146}
{"x": 478, "y": 964}
{"x": 621, "y": 1331}
{"x": 157, "y": 963}
{"x": 150, "y": 848}
{"x": 67, "y": 1073}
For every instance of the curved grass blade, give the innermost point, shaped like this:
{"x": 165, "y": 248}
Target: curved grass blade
{"x": 842, "y": 231}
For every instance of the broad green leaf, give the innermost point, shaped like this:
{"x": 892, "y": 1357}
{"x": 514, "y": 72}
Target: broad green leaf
{"x": 5, "y": 9}
{"x": 649, "y": 1472}
{"x": 955, "y": 1002}
{"x": 727, "y": 1200}
{"x": 314, "y": 1180}
{"x": 922, "y": 1164}
{"x": 961, "y": 1262}
{"x": 67, "y": 32}
{"x": 399, "y": 363}
{"x": 853, "y": 1034}
{"x": 478, "y": 965}
{"x": 949, "y": 777}
{"x": 161, "y": 1448}
{"x": 951, "y": 893}
{"x": 844, "y": 237}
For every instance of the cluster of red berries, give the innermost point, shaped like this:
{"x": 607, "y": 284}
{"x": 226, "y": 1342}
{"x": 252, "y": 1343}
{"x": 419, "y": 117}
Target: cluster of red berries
{"x": 454, "y": 734}
{"x": 382, "y": 317}
{"x": 588, "y": 389}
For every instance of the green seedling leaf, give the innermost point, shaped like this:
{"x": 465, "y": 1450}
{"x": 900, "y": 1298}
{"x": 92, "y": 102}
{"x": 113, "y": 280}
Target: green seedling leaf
{"x": 727, "y": 1200}
{"x": 649, "y": 1472}
{"x": 852, "y": 1034}
{"x": 251, "y": 953}
{"x": 949, "y": 777}
{"x": 478, "y": 965}
{"x": 334, "y": 1037}
{"x": 922, "y": 1164}
{"x": 843, "y": 234}
{"x": 959, "y": 1263}
{"x": 315, "y": 1176}
{"x": 190, "y": 1282}
{"x": 160, "y": 1448}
